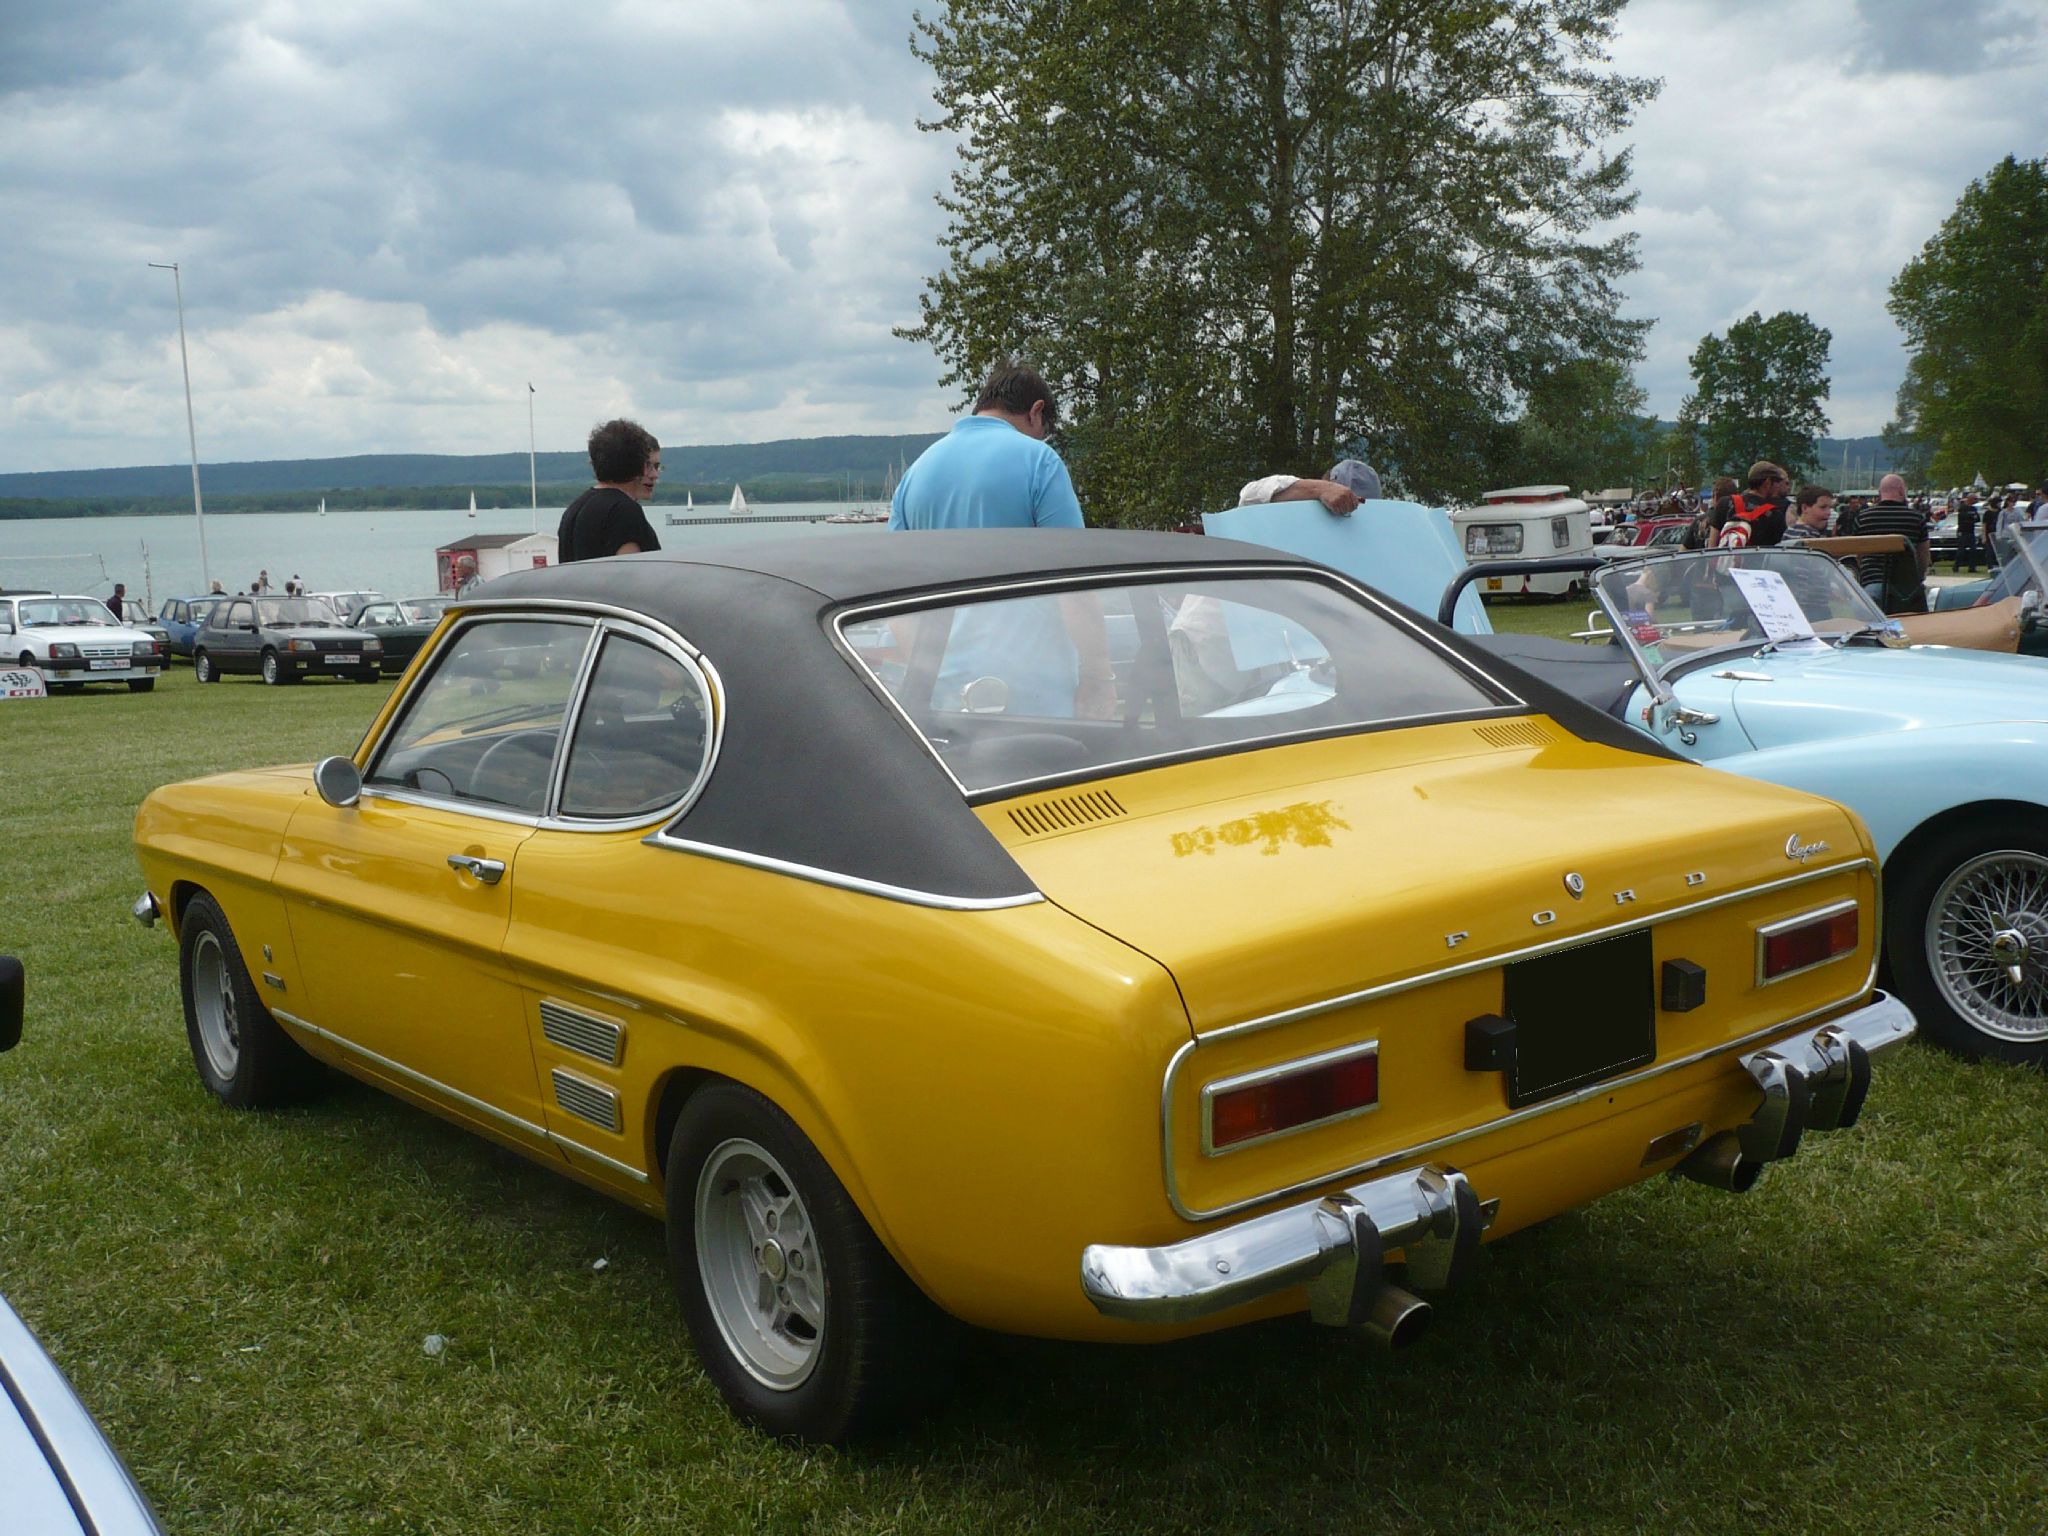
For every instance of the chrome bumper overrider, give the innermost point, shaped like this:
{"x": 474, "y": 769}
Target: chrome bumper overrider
{"x": 145, "y": 911}
{"x": 1814, "y": 1079}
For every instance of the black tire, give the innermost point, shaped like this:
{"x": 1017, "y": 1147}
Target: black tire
{"x": 203, "y": 668}
{"x": 244, "y": 1058}
{"x": 272, "y": 669}
{"x": 878, "y": 1345}
{"x": 141, "y": 684}
{"x": 1967, "y": 903}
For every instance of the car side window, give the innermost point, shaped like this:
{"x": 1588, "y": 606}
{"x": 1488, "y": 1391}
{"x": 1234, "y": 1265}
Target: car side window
{"x": 641, "y": 736}
{"x": 240, "y": 614}
{"x": 484, "y": 725}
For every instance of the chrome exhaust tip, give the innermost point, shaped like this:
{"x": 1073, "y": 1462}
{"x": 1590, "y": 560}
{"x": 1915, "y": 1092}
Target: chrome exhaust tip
{"x": 1397, "y": 1318}
{"x": 1720, "y": 1164}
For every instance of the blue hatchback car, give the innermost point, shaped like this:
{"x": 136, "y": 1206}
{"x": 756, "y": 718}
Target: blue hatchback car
{"x": 182, "y": 616}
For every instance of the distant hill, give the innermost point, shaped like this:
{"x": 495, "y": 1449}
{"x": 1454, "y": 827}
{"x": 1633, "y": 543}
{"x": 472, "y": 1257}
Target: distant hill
{"x": 829, "y": 459}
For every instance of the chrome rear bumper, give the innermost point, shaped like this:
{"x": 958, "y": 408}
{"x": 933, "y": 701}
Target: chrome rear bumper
{"x": 1814, "y": 1079}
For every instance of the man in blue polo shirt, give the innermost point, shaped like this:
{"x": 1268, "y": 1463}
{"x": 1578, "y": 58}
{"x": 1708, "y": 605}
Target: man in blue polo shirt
{"x": 994, "y": 470}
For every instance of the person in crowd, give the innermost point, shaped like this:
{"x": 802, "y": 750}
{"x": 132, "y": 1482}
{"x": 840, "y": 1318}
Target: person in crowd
{"x": 118, "y": 603}
{"x": 1815, "y": 508}
{"x": 1705, "y": 531}
{"x": 607, "y": 519}
{"x": 260, "y": 585}
{"x": 995, "y": 468}
{"x": 215, "y": 589}
{"x": 1968, "y": 556}
{"x": 1845, "y": 517}
{"x": 1896, "y": 583}
{"x": 1759, "y": 518}
{"x": 1347, "y": 484}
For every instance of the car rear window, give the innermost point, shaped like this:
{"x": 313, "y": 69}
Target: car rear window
{"x": 1011, "y": 689}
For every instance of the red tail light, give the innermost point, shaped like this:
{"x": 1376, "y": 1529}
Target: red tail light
{"x": 1261, "y": 1104}
{"x": 1804, "y": 942}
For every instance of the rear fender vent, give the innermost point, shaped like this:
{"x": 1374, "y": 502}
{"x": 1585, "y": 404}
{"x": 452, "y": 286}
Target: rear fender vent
{"x": 1063, "y": 813}
{"x": 587, "y": 1034}
{"x": 1523, "y": 733}
{"x": 586, "y": 1100}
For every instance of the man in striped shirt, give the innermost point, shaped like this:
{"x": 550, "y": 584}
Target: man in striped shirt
{"x": 1896, "y": 583}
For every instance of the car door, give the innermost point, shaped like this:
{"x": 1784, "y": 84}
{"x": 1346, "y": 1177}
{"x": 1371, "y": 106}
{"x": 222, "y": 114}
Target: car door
{"x": 602, "y": 917}
{"x": 230, "y": 636}
{"x": 399, "y": 903}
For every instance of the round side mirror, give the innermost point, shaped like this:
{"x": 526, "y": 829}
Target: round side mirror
{"x": 339, "y": 781}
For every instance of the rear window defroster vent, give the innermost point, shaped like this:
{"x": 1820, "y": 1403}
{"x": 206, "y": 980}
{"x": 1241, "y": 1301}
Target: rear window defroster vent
{"x": 1063, "y": 813}
{"x": 1523, "y": 733}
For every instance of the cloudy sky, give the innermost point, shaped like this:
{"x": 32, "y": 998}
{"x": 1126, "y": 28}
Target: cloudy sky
{"x": 393, "y": 213}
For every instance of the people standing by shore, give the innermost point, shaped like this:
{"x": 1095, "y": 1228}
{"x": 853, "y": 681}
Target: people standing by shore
{"x": 607, "y": 519}
{"x": 995, "y": 468}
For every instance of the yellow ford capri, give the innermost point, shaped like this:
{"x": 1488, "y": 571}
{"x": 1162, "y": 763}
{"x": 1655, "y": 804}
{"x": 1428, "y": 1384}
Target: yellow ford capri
{"x": 1097, "y": 936}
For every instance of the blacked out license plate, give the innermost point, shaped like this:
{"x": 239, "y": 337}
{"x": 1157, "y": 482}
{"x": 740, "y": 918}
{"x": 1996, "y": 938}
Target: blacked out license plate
{"x": 1581, "y": 1015}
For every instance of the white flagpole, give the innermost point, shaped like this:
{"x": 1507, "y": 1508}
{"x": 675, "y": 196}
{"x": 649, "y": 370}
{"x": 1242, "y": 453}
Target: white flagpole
{"x": 532, "y": 461}
{"x": 191, "y": 433}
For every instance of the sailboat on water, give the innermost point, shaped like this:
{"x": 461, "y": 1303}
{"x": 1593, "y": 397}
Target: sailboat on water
{"x": 472, "y": 503}
{"x": 739, "y": 502}
{"x": 323, "y": 506}
{"x": 689, "y": 501}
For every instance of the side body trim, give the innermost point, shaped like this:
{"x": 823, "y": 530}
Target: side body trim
{"x": 435, "y": 1085}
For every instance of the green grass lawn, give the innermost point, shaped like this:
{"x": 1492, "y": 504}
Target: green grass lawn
{"x": 1861, "y": 1344}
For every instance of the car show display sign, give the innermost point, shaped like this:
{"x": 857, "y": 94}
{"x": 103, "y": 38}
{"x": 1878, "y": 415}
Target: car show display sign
{"x": 22, "y": 683}
{"x": 1770, "y": 599}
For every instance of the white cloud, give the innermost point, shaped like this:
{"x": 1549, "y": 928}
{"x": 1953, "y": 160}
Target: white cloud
{"x": 392, "y": 213}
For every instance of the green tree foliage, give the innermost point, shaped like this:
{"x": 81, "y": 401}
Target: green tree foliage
{"x": 1974, "y": 307}
{"x": 1757, "y": 394}
{"x": 1240, "y": 236}
{"x": 1583, "y": 426}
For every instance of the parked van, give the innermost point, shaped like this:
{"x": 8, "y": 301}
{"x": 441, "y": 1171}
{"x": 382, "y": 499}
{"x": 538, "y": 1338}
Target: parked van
{"x": 1527, "y": 522}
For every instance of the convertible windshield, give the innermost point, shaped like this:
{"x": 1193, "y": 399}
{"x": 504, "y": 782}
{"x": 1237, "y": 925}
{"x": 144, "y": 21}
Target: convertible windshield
{"x": 1007, "y": 690}
{"x": 65, "y": 610}
{"x": 281, "y": 612}
{"x": 1674, "y": 610}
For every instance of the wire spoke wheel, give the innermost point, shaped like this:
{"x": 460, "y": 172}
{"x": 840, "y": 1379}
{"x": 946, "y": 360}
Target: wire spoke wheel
{"x": 761, "y": 1265}
{"x": 213, "y": 1005}
{"x": 1987, "y": 943}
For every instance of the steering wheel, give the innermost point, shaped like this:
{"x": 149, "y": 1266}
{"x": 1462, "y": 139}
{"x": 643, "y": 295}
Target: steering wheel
{"x": 521, "y": 778}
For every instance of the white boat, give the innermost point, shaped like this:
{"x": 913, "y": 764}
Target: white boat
{"x": 323, "y": 506}
{"x": 739, "y": 502}
{"x": 472, "y": 503}
{"x": 689, "y": 501}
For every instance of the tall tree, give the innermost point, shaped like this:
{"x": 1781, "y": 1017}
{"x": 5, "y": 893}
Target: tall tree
{"x": 1583, "y": 425}
{"x": 1757, "y": 393}
{"x": 1247, "y": 235}
{"x": 1974, "y": 307}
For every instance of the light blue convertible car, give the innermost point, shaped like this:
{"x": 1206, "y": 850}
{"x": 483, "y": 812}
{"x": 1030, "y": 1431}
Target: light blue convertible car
{"x": 1773, "y": 663}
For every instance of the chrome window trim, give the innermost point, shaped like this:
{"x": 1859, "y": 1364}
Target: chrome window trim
{"x": 907, "y": 894}
{"x": 1170, "y": 1081}
{"x": 1156, "y": 575}
{"x": 1784, "y": 924}
{"x": 709, "y": 686}
{"x": 602, "y": 619}
{"x": 435, "y": 1085}
{"x": 1213, "y": 1091}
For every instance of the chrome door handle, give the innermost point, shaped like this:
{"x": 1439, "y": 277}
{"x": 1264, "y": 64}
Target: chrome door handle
{"x": 489, "y": 871}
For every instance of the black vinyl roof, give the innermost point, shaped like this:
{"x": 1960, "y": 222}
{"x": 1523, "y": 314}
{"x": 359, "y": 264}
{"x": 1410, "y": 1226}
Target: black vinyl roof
{"x": 815, "y": 766}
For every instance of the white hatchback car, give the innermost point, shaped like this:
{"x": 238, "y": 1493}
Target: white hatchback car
{"x": 73, "y": 641}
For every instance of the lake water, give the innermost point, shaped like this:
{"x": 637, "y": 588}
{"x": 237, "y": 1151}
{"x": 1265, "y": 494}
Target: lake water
{"x": 390, "y": 552}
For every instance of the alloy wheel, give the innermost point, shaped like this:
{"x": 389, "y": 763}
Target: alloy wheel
{"x": 760, "y": 1265}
